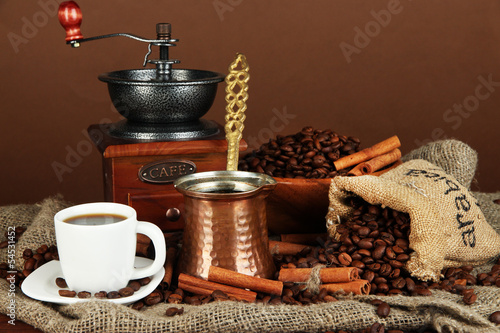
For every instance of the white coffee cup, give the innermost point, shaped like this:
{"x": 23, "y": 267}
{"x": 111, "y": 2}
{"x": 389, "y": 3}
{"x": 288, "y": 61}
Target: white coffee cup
{"x": 101, "y": 257}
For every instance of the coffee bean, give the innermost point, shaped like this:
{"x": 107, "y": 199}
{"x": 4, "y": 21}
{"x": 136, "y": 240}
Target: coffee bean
{"x": 495, "y": 317}
{"x": 364, "y": 231}
{"x": 379, "y": 252}
{"x": 101, "y": 295}
{"x": 195, "y": 300}
{"x": 67, "y": 293}
{"x": 403, "y": 257}
{"x": 174, "y": 311}
{"x": 39, "y": 263}
{"x": 399, "y": 283}
{"x": 61, "y": 283}
{"x": 344, "y": 259}
{"x": 145, "y": 281}
{"x": 84, "y": 294}
{"x": 113, "y": 295}
{"x": 383, "y": 310}
{"x": 275, "y": 301}
{"x": 47, "y": 256}
{"x": 358, "y": 264}
{"x": 422, "y": 292}
{"x": 322, "y": 293}
{"x": 396, "y": 264}
{"x": 410, "y": 284}
{"x": 382, "y": 287}
{"x": 395, "y": 292}
{"x": 389, "y": 253}
{"x": 135, "y": 285}
{"x": 369, "y": 276}
{"x": 365, "y": 244}
{"x": 138, "y": 305}
{"x": 42, "y": 249}
{"x": 329, "y": 298}
{"x": 30, "y": 264}
{"x": 176, "y": 298}
{"x": 402, "y": 243}
{"x": 469, "y": 298}
{"x": 395, "y": 273}
{"x": 154, "y": 298}
{"x": 377, "y": 328}
{"x": 125, "y": 292}
{"x": 27, "y": 254}
{"x": 385, "y": 270}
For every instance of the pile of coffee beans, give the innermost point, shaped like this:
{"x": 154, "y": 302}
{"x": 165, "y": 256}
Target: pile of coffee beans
{"x": 42, "y": 255}
{"x": 307, "y": 154}
{"x": 375, "y": 241}
{"x": 129, "y": 290}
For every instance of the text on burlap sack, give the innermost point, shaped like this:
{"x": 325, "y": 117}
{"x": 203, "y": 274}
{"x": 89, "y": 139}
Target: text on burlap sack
{"x": 462, "y": 204}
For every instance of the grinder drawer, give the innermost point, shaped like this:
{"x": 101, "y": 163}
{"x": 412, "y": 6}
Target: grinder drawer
{"x": 163, "y": 208}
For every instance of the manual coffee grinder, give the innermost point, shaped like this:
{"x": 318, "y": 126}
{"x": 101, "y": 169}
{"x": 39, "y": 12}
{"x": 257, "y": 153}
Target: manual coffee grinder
{"x": 163, "y": 136}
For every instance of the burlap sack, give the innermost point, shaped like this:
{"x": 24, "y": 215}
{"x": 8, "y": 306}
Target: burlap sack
{"x": 448, "y": 228}
{"x": 456, "y": 158}
{"x": 490, "y": 209}
{"x": 15, "y": 216}
{"x": 460, "y": 161}
{"x": 41, "y": 230}
{"x": 442, "y": 311}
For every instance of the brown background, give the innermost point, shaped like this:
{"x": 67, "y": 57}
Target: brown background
{"x": 428, "y": 57}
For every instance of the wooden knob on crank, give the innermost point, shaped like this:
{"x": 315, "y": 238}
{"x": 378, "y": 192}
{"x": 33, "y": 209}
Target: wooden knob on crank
{"x": 70, "y": 17}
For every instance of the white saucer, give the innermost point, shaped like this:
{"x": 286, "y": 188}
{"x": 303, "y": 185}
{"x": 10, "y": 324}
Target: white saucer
{"x": 41, "y": 285}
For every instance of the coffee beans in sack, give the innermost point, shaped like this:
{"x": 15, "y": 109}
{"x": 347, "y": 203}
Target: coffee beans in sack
{"x": 448, "y": 228}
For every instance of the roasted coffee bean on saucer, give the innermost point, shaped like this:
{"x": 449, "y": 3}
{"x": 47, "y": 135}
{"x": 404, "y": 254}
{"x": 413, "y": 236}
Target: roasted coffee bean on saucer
{"x": 84, "y": 294}
{"x": 61, "y": 283}
{"x": 67, "y": 293}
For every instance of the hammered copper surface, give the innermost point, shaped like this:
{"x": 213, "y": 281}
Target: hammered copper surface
{"x": 228, "y": 230}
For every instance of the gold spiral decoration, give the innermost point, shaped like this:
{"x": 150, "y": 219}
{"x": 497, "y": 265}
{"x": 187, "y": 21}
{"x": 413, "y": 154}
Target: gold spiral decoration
{"x": 236, "y": 97}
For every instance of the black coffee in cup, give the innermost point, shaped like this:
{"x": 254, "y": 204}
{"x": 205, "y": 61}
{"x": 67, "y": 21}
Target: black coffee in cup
{"x": 95, "y": 219}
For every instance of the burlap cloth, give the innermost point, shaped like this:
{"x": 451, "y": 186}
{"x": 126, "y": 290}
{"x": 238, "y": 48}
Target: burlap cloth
{"x": 442, "y": 311}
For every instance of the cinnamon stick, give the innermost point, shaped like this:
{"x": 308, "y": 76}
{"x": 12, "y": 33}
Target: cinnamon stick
{"x": 235, "y": 279}
{"x": 306, "y": 239}
{"x": 326, "y": 275}
{"x": 357, "y": 287}
{"x": 376, "y": 163}
{"x": 356, "y": 171}
{"x": 368, "y": 153}
{"x": 169, "y": 266}
{"x": 203, "y": 287}
{"x": 285, "y": 248}
{"x": 381, "y": 172}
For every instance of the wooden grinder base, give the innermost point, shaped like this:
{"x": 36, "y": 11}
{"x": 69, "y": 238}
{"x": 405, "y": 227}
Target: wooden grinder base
{"x": 160, "y": 204}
